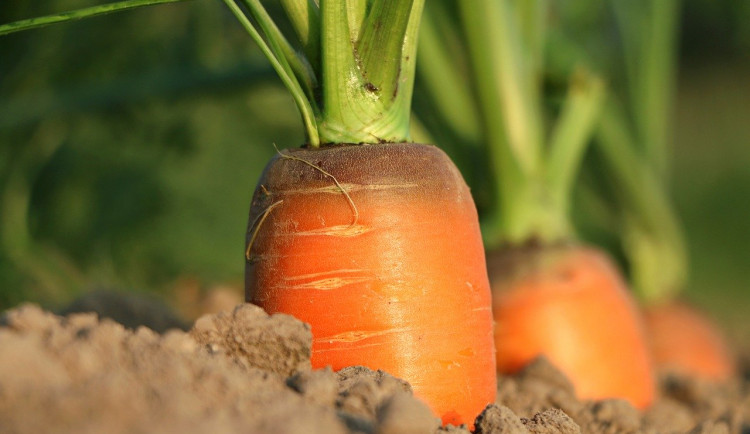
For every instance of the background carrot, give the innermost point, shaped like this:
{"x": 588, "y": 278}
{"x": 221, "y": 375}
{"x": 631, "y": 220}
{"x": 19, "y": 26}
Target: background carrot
{"x": 685, "y": 341}
{"x": 550, "y": 293}
{"x": 571, "y": 305}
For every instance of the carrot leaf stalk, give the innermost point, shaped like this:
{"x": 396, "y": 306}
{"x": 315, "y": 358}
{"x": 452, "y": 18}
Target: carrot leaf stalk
{"x": 533, "y": 169}
{"x": 570, "y": 136}
{"x": 649, "y": 40}
{"x": 652, "y": 236}
{"x": 353, "y": 82}
{"x": 633, "y": 141}
{"x": 90, "y": 12}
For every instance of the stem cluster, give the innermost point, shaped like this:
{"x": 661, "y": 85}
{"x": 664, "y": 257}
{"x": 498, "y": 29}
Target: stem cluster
{"x": 533, "y": 161}
{"x": 352, "y": 78}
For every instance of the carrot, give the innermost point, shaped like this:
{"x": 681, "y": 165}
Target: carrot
{"x": 550, "y": 298}
{"x": 373, "y": 241}
{"x": 570, "y": 305}
{"x": 683, "y": 340}
{"x": 378, "y": 248}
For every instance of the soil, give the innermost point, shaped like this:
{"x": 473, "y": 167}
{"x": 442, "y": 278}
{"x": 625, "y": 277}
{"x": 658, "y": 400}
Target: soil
{"x": 246, "y": 371}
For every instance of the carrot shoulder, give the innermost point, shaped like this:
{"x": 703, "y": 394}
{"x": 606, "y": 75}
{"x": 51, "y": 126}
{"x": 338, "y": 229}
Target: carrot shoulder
{"x": 378, "y": 248}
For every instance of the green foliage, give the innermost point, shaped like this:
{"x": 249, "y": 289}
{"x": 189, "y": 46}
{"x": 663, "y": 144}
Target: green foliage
{"x": 131, "y": 166}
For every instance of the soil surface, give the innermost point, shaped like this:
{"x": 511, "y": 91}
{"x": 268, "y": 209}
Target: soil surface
{"x": 246, "y": 371}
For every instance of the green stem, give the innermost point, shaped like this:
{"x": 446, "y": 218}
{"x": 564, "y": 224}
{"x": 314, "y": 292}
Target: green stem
{"x": 533, "y": 17}
{"x": 356, "y": 12}
{"x": 653, "y": 239}
{"x": 438, "y": 66}
{"x": 655, "y": 85}
{"x": 285, "y": 73}
{"x": 637, "y": 153}
{"x": 305, "y": 18}
{"x": 649, "y": 41}
{"x": 511, "y": 105}
{"x": 282, "y": 49}
{"x": 571, "y": 135}
{"x": 379, "y": 46}
{"x": 356, "y": 109}
{"x": 37, "y": 22}
{"x": 497, "y": 52}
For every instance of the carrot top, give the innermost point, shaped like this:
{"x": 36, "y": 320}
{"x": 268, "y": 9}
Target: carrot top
{"x": 533, "y": 162}
{"x": 349, "y": 65}
{"x": 353, "y": 79}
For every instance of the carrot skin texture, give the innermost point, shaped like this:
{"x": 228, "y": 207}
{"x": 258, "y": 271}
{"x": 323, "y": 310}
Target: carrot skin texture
{"x": 570, "y": 304}
{"x": 400, "y": 284}
{"x": 685, "y": 341}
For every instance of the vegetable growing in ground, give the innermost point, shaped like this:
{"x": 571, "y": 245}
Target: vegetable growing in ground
{"x": 632, "y": 142}
{"x": 370, "y": 239}
{"x": 552, "y": 295}
{"x": 376, "y": 244}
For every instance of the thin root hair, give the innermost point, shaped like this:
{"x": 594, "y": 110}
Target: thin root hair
{"x": 256, "y": 226}
{"x": 355, "y": 211}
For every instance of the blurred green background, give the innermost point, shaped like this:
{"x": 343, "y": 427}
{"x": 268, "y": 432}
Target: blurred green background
{"x": 130, "y": 145}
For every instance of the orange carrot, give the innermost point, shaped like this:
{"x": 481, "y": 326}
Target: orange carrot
{"x": 684, "y": 340}
{"x": 570, "y": 305}
{"x": 378, "y": 248}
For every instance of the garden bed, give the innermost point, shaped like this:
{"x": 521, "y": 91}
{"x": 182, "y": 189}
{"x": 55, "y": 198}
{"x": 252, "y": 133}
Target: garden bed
{"x": 245, "y": 371}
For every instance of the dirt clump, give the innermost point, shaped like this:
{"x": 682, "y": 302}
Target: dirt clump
{"x": 252, "y": 338}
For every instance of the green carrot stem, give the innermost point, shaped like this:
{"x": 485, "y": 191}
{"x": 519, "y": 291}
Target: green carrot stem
{"x": 305, "y": 18}
{"x": 532, "y": 14}
{"x": 379, "y": 47}
{"x": 364, "y": 100}
{"x": 340, "y": 78}
{"x": 504, "y": 220}
{"x": 285, "y": 73}
{"x": 37, "y": 22}
{"x": 438, "y": 66}
{"x": 496, "y": 44}
{"x": 571, "y": 134}
{"x": 356, "y": 12}
{"x": 649, "y": 41}
{"x": 653, "y": 239}
{"x": 637, "y": 153}
{"x": 283, "y": 49}
{"x": 533, "y": 183}
{"x": 656, "y": 81}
